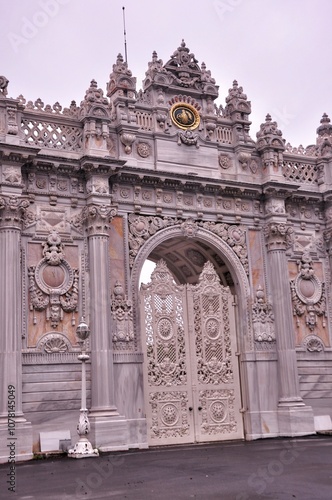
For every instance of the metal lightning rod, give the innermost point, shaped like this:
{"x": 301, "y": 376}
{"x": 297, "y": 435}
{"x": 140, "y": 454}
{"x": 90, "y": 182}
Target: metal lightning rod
{"x": 124, "y": 33}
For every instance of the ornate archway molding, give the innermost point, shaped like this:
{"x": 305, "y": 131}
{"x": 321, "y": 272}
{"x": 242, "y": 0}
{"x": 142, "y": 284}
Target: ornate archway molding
{"x": 191, "y": 229}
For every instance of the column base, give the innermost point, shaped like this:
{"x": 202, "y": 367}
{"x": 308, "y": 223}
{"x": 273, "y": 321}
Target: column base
{"x": 109, "y": 433}
{"x": 137, "y": 432}
{"x": 83, "y": 449}
{"x": 261, "y": 424}
{"x": 296, "y": 421}
{"x": 15, "y": 442}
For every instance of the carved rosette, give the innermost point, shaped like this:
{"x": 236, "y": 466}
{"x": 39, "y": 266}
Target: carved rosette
{"x": 278, "y": 236}
{"x": 263, "y": 321}
{"x": 12, "y": 211}
{"x": 122, "y": 314}
{"x": 53, "y": 283}
{"x": 218, "y": 414}
{"x": 308, "y": 295}
{"x": 96, "y": 217}
{"x": 169, "y": 414}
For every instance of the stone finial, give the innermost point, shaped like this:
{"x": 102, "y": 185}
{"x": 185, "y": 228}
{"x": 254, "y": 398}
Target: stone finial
{"x": 94, "y": 100}
{"x": 121, "y": 79}
{"x": 183, "y": 57}
{"x": 3, "y": 86}
{"x": 269, "y": 136}
{"x": 324, "y": 137}
{"x": 237, "y": 105}
{"x": 326, "y": 127}
{"x": 95, "y": 95}
{"x": 236, "y": 92}
{"x": 121, "y": 66}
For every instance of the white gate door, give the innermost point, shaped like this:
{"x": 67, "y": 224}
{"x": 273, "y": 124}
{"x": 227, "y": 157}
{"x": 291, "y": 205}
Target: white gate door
{"x": 191, "y": 379}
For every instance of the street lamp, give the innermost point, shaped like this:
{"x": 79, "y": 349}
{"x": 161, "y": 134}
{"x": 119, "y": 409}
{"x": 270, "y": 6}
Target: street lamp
{"x": 83, "y": 447}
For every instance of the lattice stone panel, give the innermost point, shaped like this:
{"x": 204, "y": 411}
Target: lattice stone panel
{"x": 144, "y": 120}
{"x": 224, "y": 135}
{"x": 52, "y": 135}
{"x": 299, "y": 172}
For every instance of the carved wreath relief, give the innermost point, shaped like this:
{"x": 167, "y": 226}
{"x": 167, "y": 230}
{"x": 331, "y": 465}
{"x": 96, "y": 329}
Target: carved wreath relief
{"x": 53, "y": 283}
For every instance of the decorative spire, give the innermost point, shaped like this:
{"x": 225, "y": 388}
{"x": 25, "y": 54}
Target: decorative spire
{"x": 324, "y": 136}
{"x": 94, "y": 97}
{"x": 3, "y": 86}
{"x": 121, "y": 79}
{"x": 237, "y": 105}
{"x": 182, "y": 70}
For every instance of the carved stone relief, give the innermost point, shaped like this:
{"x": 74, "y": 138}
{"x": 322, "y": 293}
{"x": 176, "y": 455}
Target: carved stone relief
{"x": 54, "y": 342}
{"x": 122, "y": 314}
{"x": 308, "y": 295}
{"x": 141, "y": 228}
{"x": 263, "y": 322}
{"x": 53, "y": 283}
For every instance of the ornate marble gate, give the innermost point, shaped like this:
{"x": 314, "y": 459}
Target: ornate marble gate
{"x": 192, "y": 389}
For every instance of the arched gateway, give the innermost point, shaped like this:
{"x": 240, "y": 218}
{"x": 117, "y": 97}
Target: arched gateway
{"x": 190, "y": 370}
{"x": 89, "y": 192}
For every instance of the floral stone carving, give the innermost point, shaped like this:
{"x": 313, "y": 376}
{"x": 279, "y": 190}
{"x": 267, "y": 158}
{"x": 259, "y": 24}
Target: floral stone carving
{"x": 263, "y": 319}
{"x": 142, "y": 227}
{"x": 53, "y": 283}
{"x": 122, "y": 314}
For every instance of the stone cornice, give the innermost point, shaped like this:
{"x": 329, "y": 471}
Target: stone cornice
{"x": 164, "y": 180}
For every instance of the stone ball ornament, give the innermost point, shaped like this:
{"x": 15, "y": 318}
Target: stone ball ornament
{"x": 83, "y": 330}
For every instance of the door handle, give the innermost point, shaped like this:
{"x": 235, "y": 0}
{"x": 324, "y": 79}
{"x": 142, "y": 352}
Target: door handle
{"x": 200, "y": 408}
{"x": 190, "y": 408}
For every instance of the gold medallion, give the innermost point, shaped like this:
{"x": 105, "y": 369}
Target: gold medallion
{"x": 185, "y": 116}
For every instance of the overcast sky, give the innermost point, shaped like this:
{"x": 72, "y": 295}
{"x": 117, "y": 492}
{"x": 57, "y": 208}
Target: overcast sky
{"x": 278, "y": 50}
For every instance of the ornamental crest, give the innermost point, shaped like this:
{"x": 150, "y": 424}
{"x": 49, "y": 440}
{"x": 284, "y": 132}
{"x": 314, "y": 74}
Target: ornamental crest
{"x": 53, "y": 283}
{"x": 308, "y": 294}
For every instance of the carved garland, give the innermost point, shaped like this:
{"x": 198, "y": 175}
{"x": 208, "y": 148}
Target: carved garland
{"x": 141, "y": 228}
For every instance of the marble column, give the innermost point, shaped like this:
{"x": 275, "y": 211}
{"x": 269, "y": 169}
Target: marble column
{"x": 294, "y": 417}
{"x": 108, "y": 428}
{"x": 15, "y": 431}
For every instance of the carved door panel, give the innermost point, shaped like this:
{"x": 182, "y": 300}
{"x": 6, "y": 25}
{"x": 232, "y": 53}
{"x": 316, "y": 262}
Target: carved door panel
{"x": 192, "y": 390}
{"x": 214, "y": 365}
{"x": 167, "y": 378}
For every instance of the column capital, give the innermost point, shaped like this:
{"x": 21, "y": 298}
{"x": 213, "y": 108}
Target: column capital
{"x": 12, "y": 210}
{"x": 278, "y": 235}
{"x": 97, "y": 219}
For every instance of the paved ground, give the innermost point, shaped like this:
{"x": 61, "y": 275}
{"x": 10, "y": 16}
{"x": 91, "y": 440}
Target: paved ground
{"x": 276, "y": 469}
